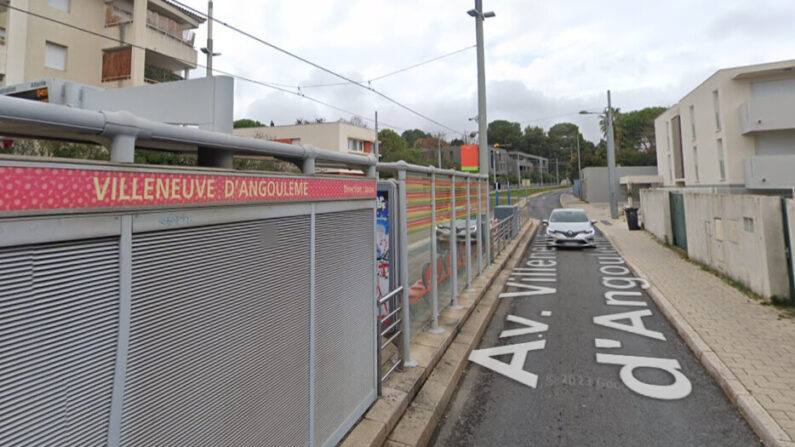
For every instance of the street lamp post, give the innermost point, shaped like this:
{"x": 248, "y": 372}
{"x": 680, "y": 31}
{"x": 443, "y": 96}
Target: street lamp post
{"x": 483, "y": 153}
{"x": 611, "y": 157}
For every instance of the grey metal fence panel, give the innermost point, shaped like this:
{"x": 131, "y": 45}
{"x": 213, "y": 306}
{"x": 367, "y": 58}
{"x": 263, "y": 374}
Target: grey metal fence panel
{"x": 219, "y": 334}
{"x": 58, "y": 322}
{"x": 345, "y": 378}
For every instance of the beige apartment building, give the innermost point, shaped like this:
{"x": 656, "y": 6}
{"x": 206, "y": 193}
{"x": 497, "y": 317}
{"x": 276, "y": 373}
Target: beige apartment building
{"x": 145, "y": 41}
{"x": 336, "y": 136}
{"x": 733, "y": 133}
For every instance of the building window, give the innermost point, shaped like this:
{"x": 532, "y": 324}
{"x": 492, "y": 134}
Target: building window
{"x": 748, "y": 224}
{"x": 668, "y": 134}
{"x": 695, "y": 162}
{"x": 355, "y": 145}
{"x": 721, "y": 160}
{"x": 2, "y": 36}
{"x": 55, "y": 56}
{"x": 693, "y": 122}
{"x": 716, "y": 105}
{"x": 63, "y": 5}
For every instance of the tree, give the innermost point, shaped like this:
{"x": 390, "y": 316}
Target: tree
{"x": 638, "y": 128}
{"x": 534, "y": 141}
{"x": 457, "y": 142}
{"x": 618, "y": 125}
{"x": 413, "y": 135}
{"x": 245, "y": 122}
{"x": 505, "y": 133}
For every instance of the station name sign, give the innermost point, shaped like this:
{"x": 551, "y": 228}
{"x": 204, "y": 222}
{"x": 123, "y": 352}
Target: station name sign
{"x": 32, "y": 189}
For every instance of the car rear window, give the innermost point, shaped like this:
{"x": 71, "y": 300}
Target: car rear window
{"x": 568, "y": 216}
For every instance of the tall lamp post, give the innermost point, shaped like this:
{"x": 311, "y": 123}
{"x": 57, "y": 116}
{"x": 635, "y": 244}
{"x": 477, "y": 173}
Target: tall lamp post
{"x": 611, "y": 157}
{"x": 483, "y": 152}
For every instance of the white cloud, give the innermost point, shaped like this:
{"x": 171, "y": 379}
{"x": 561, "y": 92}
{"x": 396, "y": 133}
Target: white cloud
{"x": 544, "y": 59}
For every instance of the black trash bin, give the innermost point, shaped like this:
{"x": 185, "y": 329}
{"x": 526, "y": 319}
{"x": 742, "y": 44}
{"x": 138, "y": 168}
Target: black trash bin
{"x": 632, "y": 218}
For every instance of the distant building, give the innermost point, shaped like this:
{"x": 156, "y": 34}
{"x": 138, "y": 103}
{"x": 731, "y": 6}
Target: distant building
{"x": 503, "y": 162}
{"x": 733, "y": 133}
{"x": 157, "y": 34}
{"x": 336, "y": 136}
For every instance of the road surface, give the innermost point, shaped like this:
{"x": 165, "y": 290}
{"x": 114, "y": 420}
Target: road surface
{"x": 597, "y": 372}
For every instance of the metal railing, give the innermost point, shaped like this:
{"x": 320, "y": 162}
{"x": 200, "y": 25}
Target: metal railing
{"x": 388, "y": 331}
{"x": 429, "y": 266}
{"x": 501, "y": 234}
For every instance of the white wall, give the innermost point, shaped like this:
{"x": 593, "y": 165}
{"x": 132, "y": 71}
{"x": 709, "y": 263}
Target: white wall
{"x": 716, "y": 236}
{"x": 655, "y": 209}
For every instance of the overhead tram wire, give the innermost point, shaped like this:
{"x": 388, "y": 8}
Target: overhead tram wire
{"x": 318, "y": 66}
{"x": 378, "y": 78}
{"x": 274, "y": 86}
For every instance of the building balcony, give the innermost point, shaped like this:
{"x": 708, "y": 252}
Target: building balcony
{"x": 171, "y": 47}
{"x": 767, "y": 114}
{"x": 770, "y": 172}
{"x": 156, "y": 75}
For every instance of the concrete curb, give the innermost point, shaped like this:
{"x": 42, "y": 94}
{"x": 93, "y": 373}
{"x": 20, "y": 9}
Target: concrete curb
{"x": 758, "y": 418}
{"x": 413, "y": 400}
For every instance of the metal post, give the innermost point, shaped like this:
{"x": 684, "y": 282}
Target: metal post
{"x": 405, "y": 339}
{"x": 611, "y": 161}
{"x": 435, "y": 329}
{"x": 482, "y": 119}
{"x": 468, "y": 238}
{"x": 481, "y": 236}
{"x": 209, "y": 38}
{"x": 453, "y": 246}
{"x": 579, "y": 168}
{"x": 439, "y": 151}
{"x": 377, "y": 149}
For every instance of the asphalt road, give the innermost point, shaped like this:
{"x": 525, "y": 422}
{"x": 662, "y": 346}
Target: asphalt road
{"x": 577, "y": 400}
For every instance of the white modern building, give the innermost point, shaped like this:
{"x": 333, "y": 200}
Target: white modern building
{"x": 102, "y": 43}
{"x": 336, "y": 136}
{"x": 733, "y": 133}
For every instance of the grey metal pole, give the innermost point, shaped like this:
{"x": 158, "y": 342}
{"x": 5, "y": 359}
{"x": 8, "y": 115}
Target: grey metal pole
{"x": 209, "y": 38}
{"x": 468, "y": 237}
{"x": 405, "y": 339}
{"x": 611, "y": 161}
{"x": 482, "y": 119}
{"x": 435, "y": 329}
{"x": 439, "y": 152}
{"x": 377, "y": 149}
{"x": 453, "y": 246}
{"x": 579, "y": 167}
{"x": 481, "y": 236}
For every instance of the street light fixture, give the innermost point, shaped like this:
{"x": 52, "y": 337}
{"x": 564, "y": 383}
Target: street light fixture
{"x": 611, "y": 157}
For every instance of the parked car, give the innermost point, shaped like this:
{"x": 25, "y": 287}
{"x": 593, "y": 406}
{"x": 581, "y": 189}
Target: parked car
{"x": 570, "y": 227}
{"x": 443, "y": 230}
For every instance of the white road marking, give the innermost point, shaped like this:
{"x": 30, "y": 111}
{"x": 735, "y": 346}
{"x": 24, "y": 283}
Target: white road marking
{"x": 681, "y": 387}
{"x": 636, "y": 325}
{"x": 546, "y": 313}
{"x": 606, "y": 343}
{"x": 515, "y": 369}
{"x": 531, "y": 327}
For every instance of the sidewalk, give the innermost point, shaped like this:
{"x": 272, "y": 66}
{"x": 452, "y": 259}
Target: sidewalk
{"x": 749, "y": 348}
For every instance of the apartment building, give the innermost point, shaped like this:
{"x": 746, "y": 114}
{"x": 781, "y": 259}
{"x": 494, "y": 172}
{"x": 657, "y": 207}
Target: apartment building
{"x": 145, "y": 41}
{"x": 733, "y": 133}
{"x": 336, "y": 136}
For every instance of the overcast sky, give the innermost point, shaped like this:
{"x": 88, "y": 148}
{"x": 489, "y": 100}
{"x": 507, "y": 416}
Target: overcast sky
{"x": 545, "y": 60}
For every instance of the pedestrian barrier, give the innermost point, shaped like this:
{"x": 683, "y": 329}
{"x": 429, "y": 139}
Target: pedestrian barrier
{"x": 152, "y": 305}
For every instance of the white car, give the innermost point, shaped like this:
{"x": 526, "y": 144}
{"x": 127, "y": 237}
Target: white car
{"x": 443, "y": 230}
{"x": 570, "y": 227}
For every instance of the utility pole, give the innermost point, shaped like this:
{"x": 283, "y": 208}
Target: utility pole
{"x": 376, "y": 150}
{"x": 483, "y": 153}
{"x": 611, "y": 161}
{"x": 439, "y": 151}
{"x": 208, "y": 50}
{"x": 579, "y": 168}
